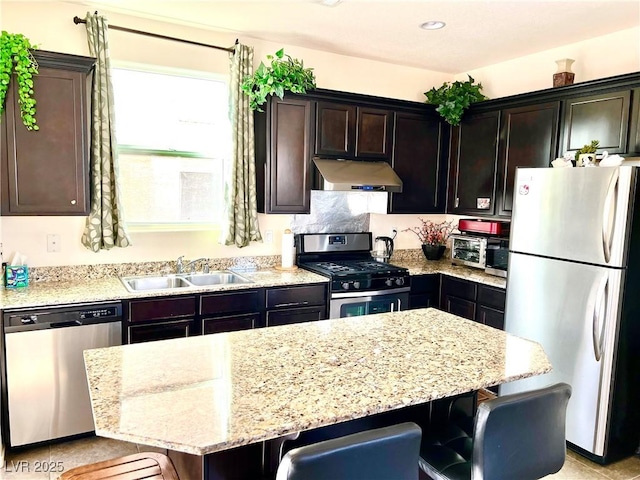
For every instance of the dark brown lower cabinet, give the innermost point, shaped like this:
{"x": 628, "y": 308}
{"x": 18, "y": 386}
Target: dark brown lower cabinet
{"x": 424, "y": 291}
{"x": 230, "y": 323}
{"x": 160, "y": 330}
{"x": 295, "y": 304}
{"x": 159, "y": 318}
{"x": 491, "y": 302}
{"x": 458, "y": 296}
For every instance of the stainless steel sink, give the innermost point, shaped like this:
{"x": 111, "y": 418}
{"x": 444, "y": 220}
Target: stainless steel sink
{"x": 136, "y": 284}
{"x": 215, "y": 278}
{"x": 173, "y": 282}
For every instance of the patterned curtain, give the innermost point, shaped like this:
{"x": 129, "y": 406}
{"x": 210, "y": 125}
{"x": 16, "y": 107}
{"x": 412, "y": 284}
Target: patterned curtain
{"x": 105, "y": 226}
{"x": 242, "y": 218}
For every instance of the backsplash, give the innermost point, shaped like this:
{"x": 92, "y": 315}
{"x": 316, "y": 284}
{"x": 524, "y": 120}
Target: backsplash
{"x": 110, "y": 270}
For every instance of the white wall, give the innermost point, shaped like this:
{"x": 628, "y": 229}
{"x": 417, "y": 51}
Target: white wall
{"x": 50, "y": 25}
{"x": 600, "y": 57}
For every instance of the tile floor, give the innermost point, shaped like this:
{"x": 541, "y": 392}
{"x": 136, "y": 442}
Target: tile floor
{"x": 93, "y": 449}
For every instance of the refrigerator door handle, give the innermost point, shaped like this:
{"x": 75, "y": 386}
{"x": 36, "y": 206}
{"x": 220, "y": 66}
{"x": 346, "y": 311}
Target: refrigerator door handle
{"x": 599, "y": 315}
{"x": 608, "y": 216}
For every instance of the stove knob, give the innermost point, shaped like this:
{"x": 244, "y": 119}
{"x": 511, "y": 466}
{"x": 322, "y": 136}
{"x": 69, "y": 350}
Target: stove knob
{"x": 399, "y": 281}
{"x": 345, "y": 285}
{"x": 389, "y": 282}
{"x": 356, "y": 284}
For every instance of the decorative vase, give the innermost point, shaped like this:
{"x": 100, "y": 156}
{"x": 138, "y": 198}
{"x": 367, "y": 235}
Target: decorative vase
{"x": 564, "y": 75}
{"x": 433, "y": 252}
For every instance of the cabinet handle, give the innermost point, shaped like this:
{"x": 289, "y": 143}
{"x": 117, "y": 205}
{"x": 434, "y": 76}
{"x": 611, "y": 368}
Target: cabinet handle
{"x": 457, "y": 203}
{"x": 73, "y": 202}
{"x": 290, "y": 304}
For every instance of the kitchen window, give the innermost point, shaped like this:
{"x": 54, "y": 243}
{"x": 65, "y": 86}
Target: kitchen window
{"x": 174, "y": 141}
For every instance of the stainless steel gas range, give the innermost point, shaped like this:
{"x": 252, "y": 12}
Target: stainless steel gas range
{"x": 360, "y": 285}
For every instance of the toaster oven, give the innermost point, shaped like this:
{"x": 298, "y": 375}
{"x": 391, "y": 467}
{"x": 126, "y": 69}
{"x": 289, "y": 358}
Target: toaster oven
{"x": 488, "y": 253}
{"x": 468, "y": 250}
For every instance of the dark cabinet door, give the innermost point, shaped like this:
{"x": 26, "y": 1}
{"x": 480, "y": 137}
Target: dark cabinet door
{"x": 458, "y": 296}
{"x": 159, "y": 331}
{"x": 230, "y": 323}
{"x": 283, "y": 140}
{"x": 295, "y": 315}
{"x": 634, "y": 133}
{"x": 335, "y": 129}
{"x": 603, "y": 117}
{"x": 489, "y": 316}
{"x": 373, "y": 133}
{"x": 528, "y": 138}
{"x": 418, "y": 161}
{"x": 459, "y": 306}
{"x": 46, "y": 172}
{"x": 424, "y": 291}
{"x": 474, "y": 155}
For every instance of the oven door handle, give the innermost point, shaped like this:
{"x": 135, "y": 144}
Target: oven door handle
{"x": 376, "y": 293}
{"x": 399, "y": 302}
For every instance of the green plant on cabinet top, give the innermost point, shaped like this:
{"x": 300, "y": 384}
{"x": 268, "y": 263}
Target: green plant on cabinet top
{"x": 16, "y": 57}
{"x": 454, "y": 98}
{"x": 282, "y": 75}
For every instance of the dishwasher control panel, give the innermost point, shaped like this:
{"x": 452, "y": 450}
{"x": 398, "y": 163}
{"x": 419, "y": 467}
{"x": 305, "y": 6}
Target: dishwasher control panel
{"x": 56, "y": 317}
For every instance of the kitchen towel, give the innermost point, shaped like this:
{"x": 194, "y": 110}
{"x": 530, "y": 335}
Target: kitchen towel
{"x": 287, "y": 249}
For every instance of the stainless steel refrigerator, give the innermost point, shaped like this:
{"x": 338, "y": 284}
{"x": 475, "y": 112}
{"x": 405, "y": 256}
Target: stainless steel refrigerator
{"x": 573, "y": 285}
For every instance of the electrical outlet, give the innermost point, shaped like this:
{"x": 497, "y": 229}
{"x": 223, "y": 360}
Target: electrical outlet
{"x": 53, "y": 242}
{"x": 268, "y": 236}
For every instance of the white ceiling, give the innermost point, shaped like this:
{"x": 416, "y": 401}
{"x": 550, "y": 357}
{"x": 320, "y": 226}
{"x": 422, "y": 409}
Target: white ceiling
{"x": 478, "y": 32}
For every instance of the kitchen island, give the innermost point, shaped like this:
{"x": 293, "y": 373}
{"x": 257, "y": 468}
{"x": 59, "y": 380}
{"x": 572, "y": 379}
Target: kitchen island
{"x": 201, "y": 395}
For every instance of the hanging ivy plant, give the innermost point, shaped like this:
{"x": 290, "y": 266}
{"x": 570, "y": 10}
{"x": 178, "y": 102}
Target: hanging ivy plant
{"x": 283, "y": 74}
{"x": 16, "y": 58}
{"x": 454, "y": 98}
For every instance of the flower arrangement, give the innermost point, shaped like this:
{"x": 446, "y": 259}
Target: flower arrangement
{"x": 432, "y": 233}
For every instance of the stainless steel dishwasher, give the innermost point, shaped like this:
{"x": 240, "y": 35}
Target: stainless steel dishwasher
{"x": 46, "y": 394}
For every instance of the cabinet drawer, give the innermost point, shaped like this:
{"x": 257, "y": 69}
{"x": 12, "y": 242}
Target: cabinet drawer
{"x": 424, "y": 283}
{"x": 295, "y": 315}
{"x": 296, "y": 296}
{"x": 243, "y": 301}
{"x": 159, "y": 331}
{"x": 459, "y": 288}
{"x": 231, "y": 323}
{"x": 492, "y": 297}
{"x": 161, "y": 308}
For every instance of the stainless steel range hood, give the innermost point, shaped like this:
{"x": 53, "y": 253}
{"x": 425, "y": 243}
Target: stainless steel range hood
{"x": 354, "y": 175}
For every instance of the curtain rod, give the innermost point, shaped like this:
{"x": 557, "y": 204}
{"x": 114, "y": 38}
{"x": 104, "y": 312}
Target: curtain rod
{"x": 78, "y": 20}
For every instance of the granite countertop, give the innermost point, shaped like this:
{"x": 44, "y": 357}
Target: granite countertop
{"x": 105, "y": 289}
{"x": 77, "y": 287}
{"x": 204, "y": 394}
{"x": 444, "y": 266}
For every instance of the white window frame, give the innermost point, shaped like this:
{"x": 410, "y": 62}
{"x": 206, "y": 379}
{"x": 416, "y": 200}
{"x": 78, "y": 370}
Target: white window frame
{"x": 124, "y": 149}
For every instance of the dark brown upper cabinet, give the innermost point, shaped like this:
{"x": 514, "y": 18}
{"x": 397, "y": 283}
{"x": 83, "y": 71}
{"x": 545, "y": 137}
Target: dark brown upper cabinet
{"x": 353, "y": 132}
{"x": 418, "y": 152}
{"x": 473, "y": 164}
{"x": 634, "y": 132}
{"x": 528, "y": 138}
{"x": 283, "y": 135}
{"x": 46, "y": 172}
{"x": 335, "y": 129}
{"x": 603, "y": 117}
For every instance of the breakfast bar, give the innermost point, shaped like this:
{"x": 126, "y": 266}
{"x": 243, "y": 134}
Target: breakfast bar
{"x": 201, "y": 395}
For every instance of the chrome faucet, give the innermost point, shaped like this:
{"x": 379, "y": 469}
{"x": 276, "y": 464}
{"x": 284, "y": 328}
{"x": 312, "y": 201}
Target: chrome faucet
{"x": 192, "y": 265}
{"x": 179, "y": 265}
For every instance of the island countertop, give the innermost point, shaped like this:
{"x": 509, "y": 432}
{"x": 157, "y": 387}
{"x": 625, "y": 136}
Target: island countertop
{"x": 205, "y": 394}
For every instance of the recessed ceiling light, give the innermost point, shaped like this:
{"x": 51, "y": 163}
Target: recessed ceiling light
{"x": 432, "y": 25}
{"x": 330, "y": 3}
